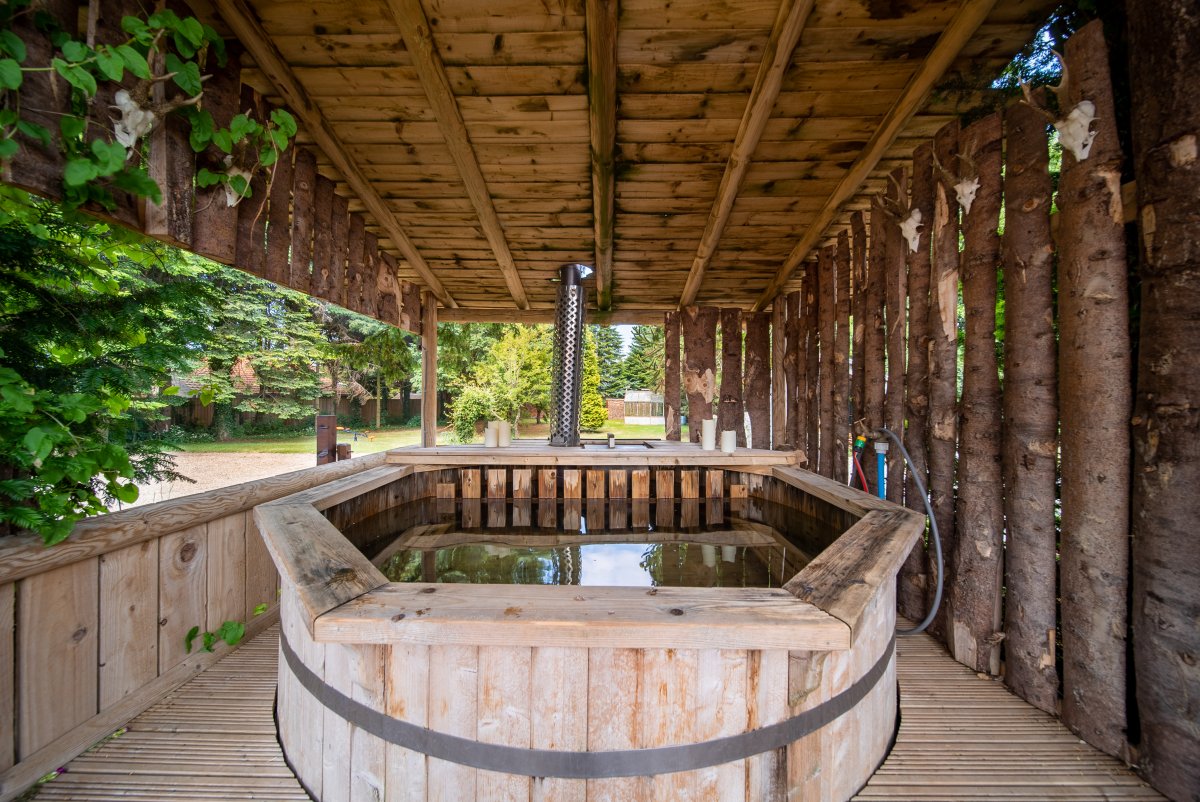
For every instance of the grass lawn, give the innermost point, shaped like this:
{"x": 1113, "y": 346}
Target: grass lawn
{"x": 396, "y": 437}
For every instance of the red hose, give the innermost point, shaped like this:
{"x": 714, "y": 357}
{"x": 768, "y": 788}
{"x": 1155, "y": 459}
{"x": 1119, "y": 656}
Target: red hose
{"x": 862, "y": 477}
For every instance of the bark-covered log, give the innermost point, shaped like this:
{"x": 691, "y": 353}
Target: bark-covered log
{"x": 810, "y": 354}
{"x": 671, "y": 399}
{"x": 913, "y": 583}
{"x": 731, "y": 414}
{"x": 841, "y": 360}
{"x": 279, "y": 221}
{"x": 896, "y": 288}
{"x": 858, "y": 311}
{"x": 758, "y": 378}
{"x": 978, "y": 566}
{"x": 214, "y": 228}
{"x": 873, "y": 339}
{"x": 251, "y": 251}
{"x": 699, "y": 364}
{"x": 943, "y": 355}
{"x": 1165, "y": 64}
{"x": 338, "y": 249}
{"x": 304, "y": 179}
{"x": 1030, "y": 414}
{"x": 797, "y": 373}
{"x": 827, "y": 324}
{"x": 1096, "y": 400}
{"x": 779, "y": 376}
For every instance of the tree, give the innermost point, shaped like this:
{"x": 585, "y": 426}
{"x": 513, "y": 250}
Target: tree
{"x": 609, "y": 347}
{"x": 383, "y": 357}
{"x": 514, "y": 375}
{"x": 646, "y": 360}
{"x": 93, "y": 322}
{"x": 592, "y": 410}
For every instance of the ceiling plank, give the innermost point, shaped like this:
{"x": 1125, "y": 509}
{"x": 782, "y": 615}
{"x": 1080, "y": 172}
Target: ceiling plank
{"x": 966, "y": 22}
{"x": 602, "y": 119}
{"x": 414, "y": 27}
{"x": 777, "y": 57}
{"x": 245, "y": 25}
{"x": 622, "y": 316}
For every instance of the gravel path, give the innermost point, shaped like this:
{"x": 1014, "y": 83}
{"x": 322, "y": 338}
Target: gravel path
{"x": 221, "y": 470}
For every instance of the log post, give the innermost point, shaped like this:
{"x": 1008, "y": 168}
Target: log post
{"x": 797, "y": 374}
{"x": 873, "y": 349}
{"x": 215, "y": 225}
{"x": 841, "y": 361}
{"x": 809, "y": 340}
{"x": 304, "y": 177}
{"x": 251, "y": 247}
{"x": 279, "y": 221}
{"x": 859, "y": 314}
{"x": 1165, "y": 65}
{"x": 1096, "y": 398}
{"x": 943, "y": 354}
{"x": 731, "y": 414}
{"x": 429, "y": 344}
{"x": 339, "y": 249}
{"x": 827, "y": 311}
{"x": 1030, "y": 414}
{"x": 896, "y": 287}
{"x": 913, "y": 580}
{"x": 322, "y": 264}
{"x": 779, "y": 374}
{"x": 758, "y": 378}
{"x": 978, "y": 568}
{"x": 671, "y": 399}
{"x": 699, "y": 365}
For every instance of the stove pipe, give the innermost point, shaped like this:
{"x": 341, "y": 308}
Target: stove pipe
{"x": 567, "y": 376}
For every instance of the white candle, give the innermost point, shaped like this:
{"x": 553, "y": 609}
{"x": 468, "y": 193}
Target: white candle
{"x": 728, "y": 441}
{"x": 708, "y": 435}
{"x": 490, "y": 435}
{"x": 504, "y": 433}
{"x": 729, "y": 553}
{"x": 709, "y": 555}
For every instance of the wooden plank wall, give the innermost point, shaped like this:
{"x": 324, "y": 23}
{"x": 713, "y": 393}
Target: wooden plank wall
{"x": 280, "y": 233}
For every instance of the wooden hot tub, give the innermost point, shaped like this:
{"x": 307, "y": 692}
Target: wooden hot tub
{"x": 395, "y": 691}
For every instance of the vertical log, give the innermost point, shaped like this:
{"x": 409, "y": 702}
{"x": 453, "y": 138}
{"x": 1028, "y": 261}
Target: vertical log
{"x": 841, "y": 361}
{"x": 322, "y": 266}
{"x": 810, "y": 334}
{"x": 429, "y": 344}
{"x": 371, "y": 277}
{"x": 1165, "y": 62}
{"x": 758, "y": 378}
{"x": 731, "y": 413}
{"x": 671, "y": 399}
{"x": 279, "y": 220}
{"x": 410, "y": 308}
{"x": 914, "y": 576}
{"x": 304, "y": 180}
{"x": 779, "y": 376}
{"x": 943, "y": 353}
{"x": 873, "y": 342}
{"x": 859, "y": 313}
{"x": 826, "y": 324}
{"x": 215, "y": 223}
{"x": 796, "y": 368}
{"x": 699, "y": 365}
{"x": 1094, "y": 354}
{"x": 1030, "y": 413}
{"x": 339, "y": 248}
{"x": 172, "y": 165}
{"x": 978, "y": 567}
{"x": 352, "y": 288}
{"x": 252, "y": 211}
{"x": 896, "y": 288}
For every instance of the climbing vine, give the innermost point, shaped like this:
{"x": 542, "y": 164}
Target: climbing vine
{"x": 110, "y": 114}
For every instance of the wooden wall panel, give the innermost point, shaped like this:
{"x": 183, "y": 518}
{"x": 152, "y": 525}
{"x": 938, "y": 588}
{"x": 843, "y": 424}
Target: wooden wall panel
{"x": 226, "y": 575}
{"x": 182, "y": 591}
{"x": 128, "y": 620}
{"x": 262, "y": 578}
{"x": 8, "y": 675}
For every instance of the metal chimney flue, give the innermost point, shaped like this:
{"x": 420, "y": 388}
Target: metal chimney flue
{"x": 567, "y": 379}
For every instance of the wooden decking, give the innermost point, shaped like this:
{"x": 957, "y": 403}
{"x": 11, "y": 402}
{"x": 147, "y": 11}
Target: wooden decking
{"x": 961, "y": 738}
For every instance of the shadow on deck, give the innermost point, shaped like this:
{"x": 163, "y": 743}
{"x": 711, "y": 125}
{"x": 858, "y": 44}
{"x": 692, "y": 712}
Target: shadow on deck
{"x": 961, "y": 738}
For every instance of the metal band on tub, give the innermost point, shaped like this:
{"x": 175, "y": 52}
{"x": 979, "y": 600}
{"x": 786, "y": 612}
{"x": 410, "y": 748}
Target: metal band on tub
{"x": 584, "y": 765}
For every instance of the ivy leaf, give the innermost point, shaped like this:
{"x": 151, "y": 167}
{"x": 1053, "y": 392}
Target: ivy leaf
{"x": 12, "y": 44}
{"x": 10, "y": 74}
{"x": 259, "y": 609}
{"x": 135, "y": 27}
{"x": 18, "y": 400}
{"x": 170, "y": 389}
{"x": 125, "y": 493}
{"x": 202, "y": 128}
{"x": 223, "y": 140}
{"x": 79, "y": 172}
{"x": 72, "y": 127}
{"x": 285, "y": 122}
{"x": 240, "y": 185}
{"x": 187, "y": 74}
{"x": 110, "y": 156}
{"x": 207, "y": 178}
{"x": 139, "y": 182}
{"x": 231, "y": 632}
{"x": 240, "y": 126}
{"x": 8, "y": 148}
{"x": 34, "y": 439}
{"x": 190, "y": 638}
{"x": 34, "y": 131}
{"x": 76, "y": 76}
{"x": 267, "y": 156}
{"x": 75, "y": 51}
{"x": 135, "y": 62}
{"x": 110, "y": 63}
{"x": 280, "y": 138}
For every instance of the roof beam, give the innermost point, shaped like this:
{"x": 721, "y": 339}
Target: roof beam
{"x": 789, "y": 22}
{"x": 602, "y": 120}
{"x": 249, "y": 31}
{"x": 414, "y": 27}
{"x": 971, "y": 14}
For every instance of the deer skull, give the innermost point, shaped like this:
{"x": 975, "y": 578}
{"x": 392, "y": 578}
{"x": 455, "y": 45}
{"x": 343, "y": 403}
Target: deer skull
{"x": 1073, "y": 130}
{"x": 134, "y": 123}
{"x": 965, "y": 189}
{"x": 910, "y": 228}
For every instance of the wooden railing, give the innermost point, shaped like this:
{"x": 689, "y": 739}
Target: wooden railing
{"x": 92, "y": 630}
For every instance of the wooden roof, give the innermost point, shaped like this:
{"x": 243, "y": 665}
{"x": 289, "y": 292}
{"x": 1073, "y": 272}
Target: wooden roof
{"x": 693, "y": 150}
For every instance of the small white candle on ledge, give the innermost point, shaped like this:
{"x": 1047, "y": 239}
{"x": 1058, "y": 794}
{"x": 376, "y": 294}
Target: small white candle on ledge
{"x": 708, "y": 435}
{"x": 728, "y": 441}
{"x": 490, "y": 435}
{"x": 504, "y": 433}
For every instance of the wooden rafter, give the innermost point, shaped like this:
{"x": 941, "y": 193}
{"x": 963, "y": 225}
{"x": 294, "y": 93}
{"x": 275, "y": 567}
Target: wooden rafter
{"x": 777, "y": 56}
{"x": 602, "y": 121}
{"x": 414, "y": 27}
{"x": 249, "y": 31}
{"x": 966, "y": 22}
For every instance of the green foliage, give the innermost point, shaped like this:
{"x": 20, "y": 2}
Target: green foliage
{"x": 613, "y": 379}
{"x": 231, "y": 632}
{"x": 92, "y": 325}
{"x": 647, "y": 355}
{"x": 593, "y": 412}
{"x": 461, "y": 347}
{"x": 514, "y": 374}
{"x": 473, "y": 404}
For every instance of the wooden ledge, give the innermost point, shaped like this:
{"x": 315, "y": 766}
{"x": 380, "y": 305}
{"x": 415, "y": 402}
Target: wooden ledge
{"x": 853, "y": 501}
{"x": 656, "y": 453}
{"x": 608, "y": 617}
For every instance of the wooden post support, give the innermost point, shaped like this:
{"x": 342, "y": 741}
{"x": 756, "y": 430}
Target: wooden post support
{"x": 975, "y": 595}
{"x": 758, "y": 378}
{"x": 699, "y": 365}
{"x": 1094, "y": 360}
{"x": 810, "y": 353}
{"x": 794, "y": 366}
{"x": 841, "y": 362}
{"x": 873, "y": 342}
{"x": 671, "y": 398}
{"x": 339, "y": 247}
{"x": 304, "y": 181}
{"x": 251, "y": 246}
{"x": 215, "y": 224}
{"x": 1030, "y": 414}
{"x": 731, "y": 413}
{"x": 828, "y": 312}
{"x": 279, "y": 221}
{"x": 943, "y": 351}
{"x": 429, "y": 342}
{"x": 322, "y": 258}
{"x": 859, "y": 313}
{"x": 779, "y": 375}
{"x": 896, "y": 288}
{"x": 326, "y": 439}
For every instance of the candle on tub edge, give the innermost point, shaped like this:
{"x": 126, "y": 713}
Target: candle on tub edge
{"x": 504, "y": 433}
{"x": 728, "y": 441}
{"x": 490, "y": 435}
{"x": 708, "y": 435}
